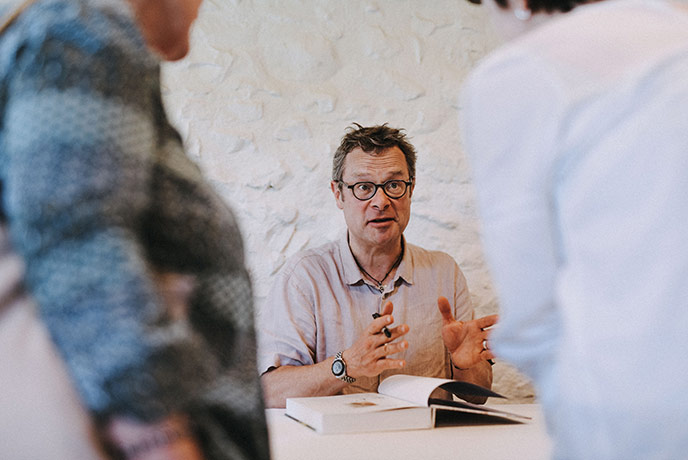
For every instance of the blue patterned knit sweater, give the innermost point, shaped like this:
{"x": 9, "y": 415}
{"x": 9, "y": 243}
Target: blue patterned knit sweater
{"x": 99, "y": 196}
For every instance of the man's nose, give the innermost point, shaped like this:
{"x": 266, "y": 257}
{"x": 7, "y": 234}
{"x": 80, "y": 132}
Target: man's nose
{"x": 380, "y": 200}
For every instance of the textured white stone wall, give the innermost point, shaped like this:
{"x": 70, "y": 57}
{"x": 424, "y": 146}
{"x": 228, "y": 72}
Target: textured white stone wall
{"x": 269, "y": 88}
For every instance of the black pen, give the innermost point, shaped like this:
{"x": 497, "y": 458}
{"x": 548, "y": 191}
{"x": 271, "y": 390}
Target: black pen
{"x": 384, "y": 328}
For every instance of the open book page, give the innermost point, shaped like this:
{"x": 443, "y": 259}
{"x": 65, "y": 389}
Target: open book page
{"x": 411, "y": 388}
{"x": 418, "y": 389}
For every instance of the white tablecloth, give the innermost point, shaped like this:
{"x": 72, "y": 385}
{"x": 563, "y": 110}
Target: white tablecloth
{"x": 290, "y": 440}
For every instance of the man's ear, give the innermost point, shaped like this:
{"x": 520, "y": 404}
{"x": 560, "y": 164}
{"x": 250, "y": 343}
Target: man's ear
{"x": 411, "y": 187}
{"x": 337, "y": 192}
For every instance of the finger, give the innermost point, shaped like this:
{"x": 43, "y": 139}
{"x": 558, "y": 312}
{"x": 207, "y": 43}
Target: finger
{"x": 396, "y": 332}
{"x": 445, "y": 310}
{"x": 377, "y": 324}
{"x": 383, "y": 319}
{"x": 487, "y": 321}
{"x": 390, "y": 348}
{"x": 384, "y": 364}
{"x": 487, "y": 354}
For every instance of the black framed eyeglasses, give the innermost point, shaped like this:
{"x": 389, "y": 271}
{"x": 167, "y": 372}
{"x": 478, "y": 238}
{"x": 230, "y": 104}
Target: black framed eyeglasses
{"x": 364, "y": 191}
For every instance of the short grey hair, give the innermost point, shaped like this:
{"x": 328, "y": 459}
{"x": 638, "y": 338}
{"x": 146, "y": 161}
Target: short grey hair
{"x": 372, "y": 139}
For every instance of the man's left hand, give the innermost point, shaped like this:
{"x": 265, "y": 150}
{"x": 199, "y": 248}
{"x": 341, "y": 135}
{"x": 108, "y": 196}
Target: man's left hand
{"x": 465, "y": 340}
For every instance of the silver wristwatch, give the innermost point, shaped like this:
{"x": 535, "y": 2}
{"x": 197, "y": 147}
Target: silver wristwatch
{"x": 339, "y": 369}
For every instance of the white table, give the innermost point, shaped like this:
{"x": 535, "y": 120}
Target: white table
{"x": 290, "y": 440}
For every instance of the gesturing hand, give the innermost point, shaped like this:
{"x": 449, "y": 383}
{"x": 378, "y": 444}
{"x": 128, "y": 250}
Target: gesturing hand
{"x": 368, "y": 355}
{"x": 464, "y": 339}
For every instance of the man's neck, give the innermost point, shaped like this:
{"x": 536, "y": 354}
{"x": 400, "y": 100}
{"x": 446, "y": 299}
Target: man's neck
{"x": 377, "y": 261}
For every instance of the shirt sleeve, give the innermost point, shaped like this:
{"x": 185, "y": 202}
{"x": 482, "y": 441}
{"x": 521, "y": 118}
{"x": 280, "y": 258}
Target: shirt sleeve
{"x": 79, "y": 132}
{"x": 510, "y": 128}
{"x": 287, "y": 335}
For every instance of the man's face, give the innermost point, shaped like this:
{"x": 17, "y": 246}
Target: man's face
{"x": 379, "y": 222}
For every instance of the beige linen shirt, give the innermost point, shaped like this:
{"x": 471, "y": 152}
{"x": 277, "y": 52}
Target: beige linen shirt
{"x": 320, "y": 304}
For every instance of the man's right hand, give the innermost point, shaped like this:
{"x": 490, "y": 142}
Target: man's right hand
{"x": 368, "y": 356}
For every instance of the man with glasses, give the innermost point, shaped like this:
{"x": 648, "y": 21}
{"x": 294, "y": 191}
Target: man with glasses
{"x": 342, "y": 317}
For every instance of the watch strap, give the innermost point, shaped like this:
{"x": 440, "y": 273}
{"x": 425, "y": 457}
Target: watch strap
{"x": 343, "y": 376}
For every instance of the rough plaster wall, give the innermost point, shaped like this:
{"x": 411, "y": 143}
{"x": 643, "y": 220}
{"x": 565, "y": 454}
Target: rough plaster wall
{"x": 269, "y": 88}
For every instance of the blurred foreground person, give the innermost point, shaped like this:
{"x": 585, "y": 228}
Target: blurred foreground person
{"x": 578, "y": 134}
{"x": 135, "y": 265}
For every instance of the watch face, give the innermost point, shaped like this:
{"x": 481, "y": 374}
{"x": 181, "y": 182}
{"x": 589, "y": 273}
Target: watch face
{"x": 337, "y": 368}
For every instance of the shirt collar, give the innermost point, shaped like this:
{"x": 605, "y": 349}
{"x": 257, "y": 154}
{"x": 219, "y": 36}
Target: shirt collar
{"x": 352, "y": 275}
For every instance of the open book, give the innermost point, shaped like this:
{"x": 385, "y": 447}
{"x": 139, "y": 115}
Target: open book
{"x": 402, "y": 402}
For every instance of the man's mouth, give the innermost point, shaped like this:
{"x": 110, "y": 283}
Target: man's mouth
{"x": 381, "y": 220}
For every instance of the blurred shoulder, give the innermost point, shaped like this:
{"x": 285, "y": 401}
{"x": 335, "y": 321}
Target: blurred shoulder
{"x": 91, "y": 27}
